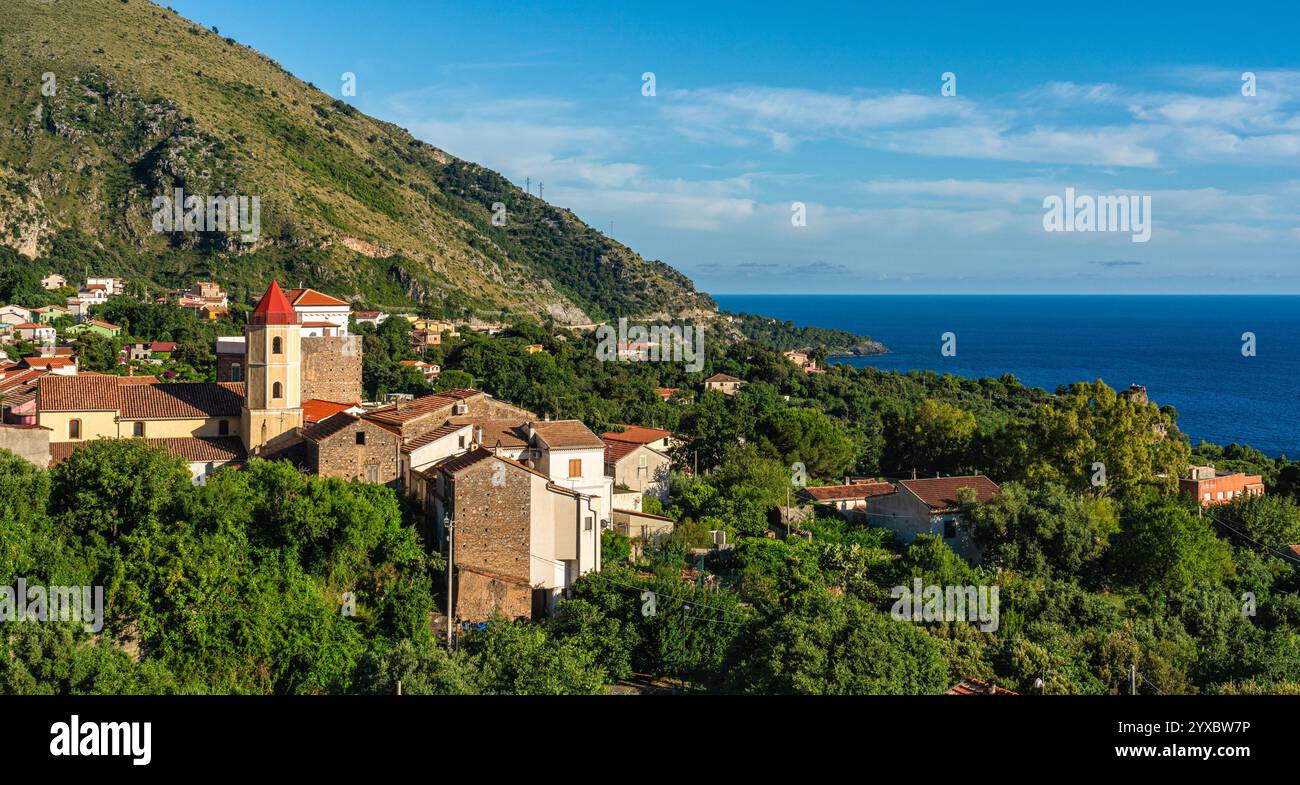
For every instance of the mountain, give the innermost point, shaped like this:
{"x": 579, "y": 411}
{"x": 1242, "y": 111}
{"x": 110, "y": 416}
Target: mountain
{"x": 108, "y": 104}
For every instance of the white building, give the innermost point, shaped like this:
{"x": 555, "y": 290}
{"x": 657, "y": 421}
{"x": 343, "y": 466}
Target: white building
{"x": 321, "y": 314}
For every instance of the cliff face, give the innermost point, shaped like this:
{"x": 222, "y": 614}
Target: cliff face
{"x": 110, "y": 104}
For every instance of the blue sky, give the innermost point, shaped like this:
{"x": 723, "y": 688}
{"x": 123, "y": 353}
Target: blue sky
{"x": 758, "y": 106}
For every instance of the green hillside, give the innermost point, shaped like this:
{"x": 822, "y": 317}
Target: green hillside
{"x": 145, "y": 101}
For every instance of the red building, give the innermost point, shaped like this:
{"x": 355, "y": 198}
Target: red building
{"x": 1210, "y": 486}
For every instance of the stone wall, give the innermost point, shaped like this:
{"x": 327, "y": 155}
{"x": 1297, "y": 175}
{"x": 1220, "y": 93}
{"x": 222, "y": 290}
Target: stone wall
{"x": 331, "y": 368}
{"x": 492, "y": 518}
{"x": 341, "y": 456}
{"x": 480, "y": 594}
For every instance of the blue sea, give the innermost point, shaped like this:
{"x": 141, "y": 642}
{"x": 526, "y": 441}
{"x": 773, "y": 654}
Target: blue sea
{"x": 1186, "y": 350}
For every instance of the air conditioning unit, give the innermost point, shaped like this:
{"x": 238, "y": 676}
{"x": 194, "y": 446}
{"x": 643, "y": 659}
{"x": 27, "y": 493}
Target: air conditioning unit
{"x": 460, "y": 408}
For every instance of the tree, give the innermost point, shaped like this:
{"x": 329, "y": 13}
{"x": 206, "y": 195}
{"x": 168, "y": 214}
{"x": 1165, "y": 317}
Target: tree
{"x": 841, "y": 646}
{"x": 807, "y": 436}
{"x": 1044, "y": 529}
{"x": 935, "y": 436}
{"x": 1163, "y": 547}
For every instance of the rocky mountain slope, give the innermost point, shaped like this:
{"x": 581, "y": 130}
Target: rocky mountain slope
{"x": 108, "y": 104}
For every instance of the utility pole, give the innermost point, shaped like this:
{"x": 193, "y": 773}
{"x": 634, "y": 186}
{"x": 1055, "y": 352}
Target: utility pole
{"x": 541, "y": 189}
{"x": 528, "y": 185}
{"x": 451, "y": 562}
{"x": 1132, "y": 680}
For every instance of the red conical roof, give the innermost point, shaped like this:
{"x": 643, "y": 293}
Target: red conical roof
{"x": 273, "y": 308}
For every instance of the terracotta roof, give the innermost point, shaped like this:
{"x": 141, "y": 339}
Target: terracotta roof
{"x": 638, "y": 433}
{"x": 940, "y": 493}
{"x": 444, "y": 430}
{"x": 181, "y": 399}
{"x": 121, "y": 380}
{"x": 32, "y": 326}
{"x": 504, "y": 433}
{"x": 457, "y": 463}
{"x": 315, "y": 409}
{"x": 104, "y": 324}
{"x": 365, "y": 314}
{"x": 329, "y": 426}
{"x": 19, "y": 378}
{"x": 273, "y": 308}
{"x": 48, "y": 362}
{"x": 722, "y": 377}
{"x": 136, "y": 400}
{"x": 77, "y": 393}
{"x": 861, "y": 490}
{"x": 192, "y": 449}
{"x": 307, "y": 298}
{"x": 406, "y": 411}
{"x": 977, "y": 687}
{"x": 616, "y": 451}
{"x": 561, "y": 434}
{"x": 162, "y": 346}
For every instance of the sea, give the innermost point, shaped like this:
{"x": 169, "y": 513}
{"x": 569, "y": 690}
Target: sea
{"x": 1229, "y": 364}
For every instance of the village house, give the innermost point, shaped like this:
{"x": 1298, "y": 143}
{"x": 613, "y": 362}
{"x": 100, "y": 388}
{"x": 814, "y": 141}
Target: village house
{"x": 110, "y": 286}
{"x": 803, "y": 361}
{"x": 931, "y": 506}
{"x": 93, "y": 294}
{"x": 430, "y": 370}
{"x": 519, "y": 538}
{"x": 54, "y": 281}
{"x": 96, "y": 326}
{"x": 373, "y": 318}
{"x": 352, "y": 447}
{"x": 424, "y": 339}
{"x": 723, "y": 383}
{"x": 666, "y": 393}
{"x": 320, "y": 314}
{"x": 154, "y": 352}
{"x": 49, "y": 313}
{"x": 848, "y": 499}
{"x": 637, "y": 459}
{"x": 1210, "y": 486}
{"x": 57, "y": 364}
{"x": 18, "y": 393}
{"x": 35, "y": 333}
{"x": 16, "y": 315}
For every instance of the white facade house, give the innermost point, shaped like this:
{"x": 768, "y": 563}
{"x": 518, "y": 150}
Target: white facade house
{"x": 15, "y": 315}
{"x": 574, "y": 458}
{"x": 321, "y": 314}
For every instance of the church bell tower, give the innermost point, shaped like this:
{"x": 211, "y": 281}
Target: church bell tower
{"x": 273, "y": 372}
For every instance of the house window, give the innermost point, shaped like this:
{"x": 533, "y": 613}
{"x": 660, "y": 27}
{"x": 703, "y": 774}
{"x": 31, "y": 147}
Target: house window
{"x": 236, "y": 372}
{"x": 462, "y": 440}
{"x": 575, "y": 467}
{"x": 277, "y": 390}
{"x": 223, "y": 428}
{"x": 949, "y": 529}
{"x": 587, "y": 523}
{"x": 138, "y": 429}
{"x": 74, "y": 429}
{"x": 361, "y": 437}
{"x": 640, "y": 461}
{"x": 277, "y": 345}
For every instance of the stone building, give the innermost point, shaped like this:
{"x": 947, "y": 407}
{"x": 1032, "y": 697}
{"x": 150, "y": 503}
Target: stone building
{"x": 352, "y": 448}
